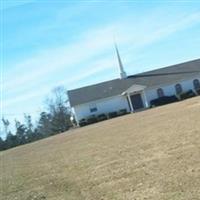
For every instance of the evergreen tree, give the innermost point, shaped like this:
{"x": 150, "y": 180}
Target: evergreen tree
{"x": 54, "y": 121}
{"x": 20, "y": 132}
{"x": 30, "y": 133}
{"x": 44, "y": 127}
{"x": 2, "y": 144}
{"x": 11, "y": 141}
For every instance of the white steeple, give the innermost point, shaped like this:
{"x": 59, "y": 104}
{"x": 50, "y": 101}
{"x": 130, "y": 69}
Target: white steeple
{"x": 121, "y": 68}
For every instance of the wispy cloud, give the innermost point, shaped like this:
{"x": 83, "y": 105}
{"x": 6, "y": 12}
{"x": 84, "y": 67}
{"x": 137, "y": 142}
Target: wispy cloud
{"x": 85, "y": 57}
{"x": 97, "y": 67}
{"x": 62, "y": 59}
{"x": 91, "y": 44}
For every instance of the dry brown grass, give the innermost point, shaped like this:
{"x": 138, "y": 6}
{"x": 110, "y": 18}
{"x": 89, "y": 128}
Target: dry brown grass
{"x": 152, "y": 155}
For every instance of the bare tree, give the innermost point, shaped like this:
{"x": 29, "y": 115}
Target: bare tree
{"x": 6, "y": 124}
{"x": 57, "y": 105}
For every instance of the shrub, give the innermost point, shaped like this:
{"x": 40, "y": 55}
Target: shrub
{"x": 102, "y": 117}
{"x": 163, "y": 100}
{"x": 112, "y": 114}
{"x": 186, "y": 95}
{"x": 82, "y": 122}
{"x": 198, "y": 91}
{"x": 91, "y": 119}
{"x": 122, "y": 112}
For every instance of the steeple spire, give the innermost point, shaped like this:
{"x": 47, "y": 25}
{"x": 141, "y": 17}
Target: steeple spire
{"x": 121, "y": 68}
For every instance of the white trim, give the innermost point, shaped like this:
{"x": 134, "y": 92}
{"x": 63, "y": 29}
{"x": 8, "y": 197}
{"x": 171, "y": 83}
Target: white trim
{"x": 135, "y": 88}
{"x": 75, "y": 115}
{"x": 130, "y": 103}
{"x": 145, "y": 99}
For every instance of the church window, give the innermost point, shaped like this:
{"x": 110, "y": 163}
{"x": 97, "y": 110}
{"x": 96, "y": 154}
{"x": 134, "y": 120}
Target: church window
{"x": 93, "y": 108}
{"x": 178, "y": 88}
{"x": 196, "y": 84}
{"x": 160, "y": 92}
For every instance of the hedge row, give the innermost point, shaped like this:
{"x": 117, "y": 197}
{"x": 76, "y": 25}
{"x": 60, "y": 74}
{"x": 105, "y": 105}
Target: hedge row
{"x": 198, "y": 91}
{"x": 163, "y": 100}
{"x": 186, "y": 95}
{"x": 170, "y": 99}
{"x": 93, "y": 118}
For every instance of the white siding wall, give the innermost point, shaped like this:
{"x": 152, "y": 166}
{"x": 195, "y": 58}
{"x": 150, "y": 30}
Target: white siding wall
{"x": 103, "y": 106}
{"x": 169, "y": 89}
{"x": 120, "y": 102}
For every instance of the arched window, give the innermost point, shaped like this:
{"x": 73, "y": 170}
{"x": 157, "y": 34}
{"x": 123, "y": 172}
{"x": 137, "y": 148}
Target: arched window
{"x": 178, "y": 88}
{"x": 93, "y": 107}
{"x": 196, "y": 84}
{"x": 160, "y": 92}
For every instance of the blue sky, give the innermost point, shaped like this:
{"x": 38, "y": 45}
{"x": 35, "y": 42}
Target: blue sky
{"x": 49, "y": 43}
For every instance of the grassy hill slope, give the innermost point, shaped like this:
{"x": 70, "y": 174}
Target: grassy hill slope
{"x": 151, "y": 155}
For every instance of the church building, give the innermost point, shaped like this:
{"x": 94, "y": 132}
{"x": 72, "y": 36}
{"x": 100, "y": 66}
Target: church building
{"x": 135, "y": 92}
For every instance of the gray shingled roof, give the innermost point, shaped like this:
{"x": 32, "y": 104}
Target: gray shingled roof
{"x": 152, "y": 78}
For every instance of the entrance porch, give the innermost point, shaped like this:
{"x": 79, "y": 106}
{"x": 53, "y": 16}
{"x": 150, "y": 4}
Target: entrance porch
{"x": 136, "y": 98}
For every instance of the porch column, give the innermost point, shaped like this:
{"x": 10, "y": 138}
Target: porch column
{"x": 145, "y": 100}
{"x": 130, "y": 103}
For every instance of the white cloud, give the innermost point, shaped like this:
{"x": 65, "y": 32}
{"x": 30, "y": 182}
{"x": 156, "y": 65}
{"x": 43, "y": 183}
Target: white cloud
{"x": 91, "y": 44}
{"x": 97, "y": 67}
{"x": 89, "y": 51}
{"x": 61, "y": 58}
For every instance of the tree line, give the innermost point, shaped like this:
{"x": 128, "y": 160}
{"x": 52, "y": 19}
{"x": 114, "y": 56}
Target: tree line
{"x": 54, "y": 120}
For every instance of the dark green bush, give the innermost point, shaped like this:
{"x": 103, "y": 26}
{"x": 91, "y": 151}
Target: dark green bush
{"x": 102, "y": 117}
{"x": 91, "y": 119}
{"x": 186, "y": 95}
{"x": 122, "y": 112}
{"x": 198, "y": 91}
{"x": 163, "y": 100}
{"x": 112, "y": 114}
{"x": 82, "y": 122}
